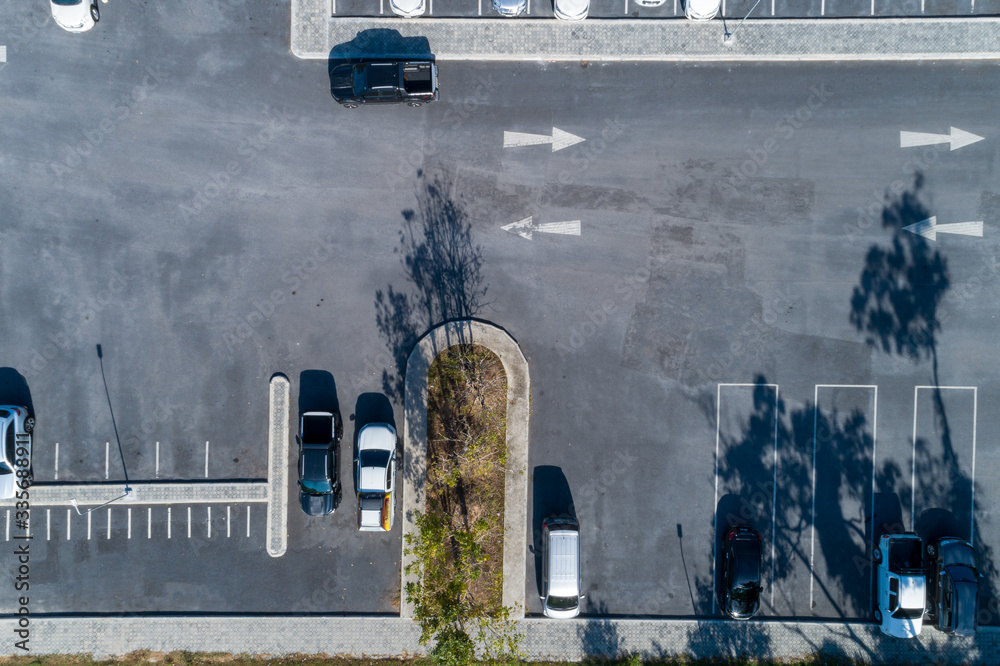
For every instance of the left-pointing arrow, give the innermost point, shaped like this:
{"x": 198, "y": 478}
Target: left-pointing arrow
{"x": 929, "y": 228}
{"x": 525, "y": 228}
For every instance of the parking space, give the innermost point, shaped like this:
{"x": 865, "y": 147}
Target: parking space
{"x": 746, "y": 455}
{"x": 944, "y": 461}
{"x": 732, "y": 10}
{"x": 844, "y": 446}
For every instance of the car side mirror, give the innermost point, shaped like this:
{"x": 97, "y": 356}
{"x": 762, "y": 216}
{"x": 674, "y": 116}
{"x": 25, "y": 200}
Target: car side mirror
{"x": 298, "y": 440}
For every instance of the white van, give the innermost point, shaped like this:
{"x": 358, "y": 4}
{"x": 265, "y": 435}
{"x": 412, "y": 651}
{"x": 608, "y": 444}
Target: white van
{"x": 561, "y": 583}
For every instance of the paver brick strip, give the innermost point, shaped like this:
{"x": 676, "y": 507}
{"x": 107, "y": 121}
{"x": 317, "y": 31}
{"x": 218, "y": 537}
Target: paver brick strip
{"x": 317, "y": 35}
{"x": 516, "y": 478}
{"x": 544, "y": 639}
{"x": 277, "y": 466}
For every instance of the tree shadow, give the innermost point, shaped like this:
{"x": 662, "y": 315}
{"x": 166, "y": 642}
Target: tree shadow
{"x": 382, "y": 43}
{"x": 443, "y": 267}
{"x": 814, "y": 448}
{"x": 600, "y": 640}
{"x": 895, "y": 306}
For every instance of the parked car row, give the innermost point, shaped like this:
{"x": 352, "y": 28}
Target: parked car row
{"x": 566, "y": 10}
{"x": 375, "y": 469}
{"x": 944, "y": 589}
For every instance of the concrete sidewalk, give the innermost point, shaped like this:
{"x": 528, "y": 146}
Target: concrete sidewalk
{"x": 544, "y": 639}
{"x": 317, "y": 35}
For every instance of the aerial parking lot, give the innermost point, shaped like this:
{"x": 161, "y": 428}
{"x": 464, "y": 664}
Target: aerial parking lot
{"x": 752, "y": 294}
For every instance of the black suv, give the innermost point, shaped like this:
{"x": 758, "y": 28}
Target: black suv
{"x": 389, "y": 81}
{"x": 953, "y": 586}
{"x": 319, "y": 485}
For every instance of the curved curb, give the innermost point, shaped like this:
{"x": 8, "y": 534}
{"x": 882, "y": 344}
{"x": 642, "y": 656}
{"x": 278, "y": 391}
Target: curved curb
{"x": 277, "y": 466}
{"x": 415, "y": 445}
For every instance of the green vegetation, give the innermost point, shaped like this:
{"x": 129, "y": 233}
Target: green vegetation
{"x": 145, "y": 658}
{"x": 458, "y": 547}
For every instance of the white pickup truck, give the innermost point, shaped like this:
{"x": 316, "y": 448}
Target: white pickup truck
{"x": 900, "y": 584}
{"x": 376, "y": 477}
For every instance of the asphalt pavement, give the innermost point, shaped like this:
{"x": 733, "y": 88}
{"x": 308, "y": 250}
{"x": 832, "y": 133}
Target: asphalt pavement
{"x": 741, "y": 329}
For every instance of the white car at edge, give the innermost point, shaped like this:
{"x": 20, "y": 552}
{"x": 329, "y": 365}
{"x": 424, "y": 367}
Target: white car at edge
{"x": 75, "y": 15}
{"x": 15, "y": 448}
{"x": 702, "y": 10}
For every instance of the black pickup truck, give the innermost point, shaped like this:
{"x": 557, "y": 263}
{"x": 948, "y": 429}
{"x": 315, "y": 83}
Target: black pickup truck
{"x": 390, "y": 81}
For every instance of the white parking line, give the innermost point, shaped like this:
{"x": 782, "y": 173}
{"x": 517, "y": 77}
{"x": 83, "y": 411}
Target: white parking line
{"x": 57, "y": 462}
{"x": 69, "y": 524}
{"x": 149, "y": 523}
{"x": 157, "y": 460}
{"x": 922, "y": 3}
{"x": 209, "y": 521}
{"x": 3, "y": 54}
{"x": 715, "y": 504}
{"x": 109, "y": 522}
{"x": 333, "y": 7}
{"x": 228, "y": 533}
{"x": 626, "y": 7}
{"x": 168, "y": 522}
{"x": 8, "y": 524}
{"x": 822, "y": 8}
{"x": 189, "y": 522}
{"x": 48, "y": 524}
{"x": 248, "y": 520}
{"x": 480, "y": 7}
{"x": 129, "y": 513}
{"x": 430, "y": 5}
{"x": 107, "y": 454}
{"x": 873, "y": 7}
{"x": 812, "y": 528}
{"x": 89, "y": 514}
{"x": 772, "y": 7}
{"x": 381, "y": 10}
{"x": 206, "y": 460}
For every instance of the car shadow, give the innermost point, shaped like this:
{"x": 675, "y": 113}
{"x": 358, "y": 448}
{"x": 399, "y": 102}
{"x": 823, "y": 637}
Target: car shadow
{"x": 377, "y": 44}
{"x": 14, "y": 390}
{"x": 550, "y": 496}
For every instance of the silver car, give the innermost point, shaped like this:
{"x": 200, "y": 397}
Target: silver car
{"x": 571, "y": 10}
{"x": 510, "y": 7}
{"x": 702, "y": 10}
{"x": 15, "y": 449}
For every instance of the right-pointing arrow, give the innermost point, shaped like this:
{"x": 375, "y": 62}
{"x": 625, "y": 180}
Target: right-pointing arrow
{"x": 929, "y": 228}
{"x": 957, "y": 138}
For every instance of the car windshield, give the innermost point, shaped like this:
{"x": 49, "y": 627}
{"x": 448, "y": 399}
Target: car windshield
{"x": 374, "y": 459}
{"x": 316, "y": 486}
{"x": 746, "y": 592}
{"x": 67, "y": 3}
{"x": 563, "y": 603}
{"x": 9, "y": 444}
{"x": 360, "y": 79}
{"x": 908, "y": 613}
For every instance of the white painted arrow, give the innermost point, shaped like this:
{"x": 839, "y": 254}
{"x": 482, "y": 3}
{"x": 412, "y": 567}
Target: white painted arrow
{"x": 525, "y": 227}
{"x": 930, "y": 228}
{"x": 559, "y": 139}
{"x": 3, "y": 53}
{"x": 958, "y": 139}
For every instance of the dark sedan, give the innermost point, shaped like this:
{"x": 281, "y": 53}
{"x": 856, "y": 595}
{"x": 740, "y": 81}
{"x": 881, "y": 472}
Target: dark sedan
{"x": 319, "y": 485}
{"x": 740, "y": 595}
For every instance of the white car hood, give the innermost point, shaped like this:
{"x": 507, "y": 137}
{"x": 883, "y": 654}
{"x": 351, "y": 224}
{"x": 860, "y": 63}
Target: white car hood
{"x": 407, "y": 8}
{"x": 8, "y": 486}
{"x": 573, "y": 8}
{"x": 73, "y": 17}
{"x": 701, "y": 10}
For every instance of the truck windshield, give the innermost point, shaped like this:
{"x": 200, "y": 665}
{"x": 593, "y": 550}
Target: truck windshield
{"x": 563, "y": 603}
